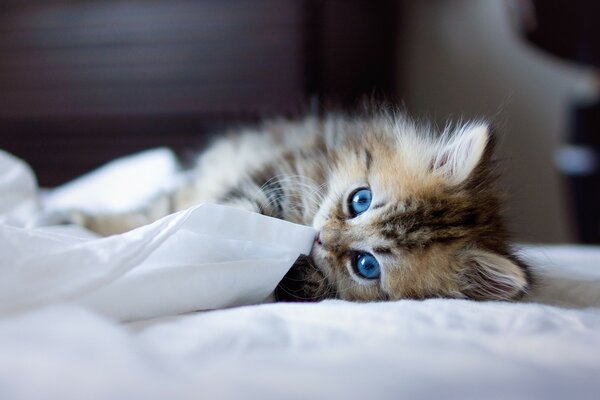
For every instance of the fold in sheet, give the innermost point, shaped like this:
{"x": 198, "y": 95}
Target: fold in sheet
{"x": 206, "y": 257}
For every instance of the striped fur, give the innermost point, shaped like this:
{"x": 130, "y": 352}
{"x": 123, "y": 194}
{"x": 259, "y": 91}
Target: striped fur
{"x": 435, "y": 222}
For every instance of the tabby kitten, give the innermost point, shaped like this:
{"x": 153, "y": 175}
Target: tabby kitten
{"x": 401, "y": 211}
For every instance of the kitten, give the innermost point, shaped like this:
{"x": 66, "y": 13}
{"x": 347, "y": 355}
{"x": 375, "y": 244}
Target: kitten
{"x": 401, "y": 211}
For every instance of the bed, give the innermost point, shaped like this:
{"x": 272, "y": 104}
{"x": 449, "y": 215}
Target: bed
{"x": 544, "y": 347}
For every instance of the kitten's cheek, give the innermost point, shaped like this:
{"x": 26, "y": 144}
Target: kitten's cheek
{"x": 317, "y": 254}
{"x": 319, "y": 220}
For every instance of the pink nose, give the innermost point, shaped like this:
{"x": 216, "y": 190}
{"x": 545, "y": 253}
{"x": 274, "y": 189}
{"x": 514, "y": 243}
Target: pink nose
{"x": 318, "y": 239}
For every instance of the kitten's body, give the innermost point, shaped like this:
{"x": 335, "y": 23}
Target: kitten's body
{"x": 434, "y": 223}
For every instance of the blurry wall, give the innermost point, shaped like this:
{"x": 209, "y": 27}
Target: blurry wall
{"x": 464, "y": 58}
{"x": 83, "y": 82}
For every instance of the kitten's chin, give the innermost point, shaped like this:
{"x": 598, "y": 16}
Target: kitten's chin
{"x": 291, "y": 289}
{"x": 303, "y": 282}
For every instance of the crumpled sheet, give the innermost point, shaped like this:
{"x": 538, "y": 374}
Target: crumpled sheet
{"x": 206, "y": 257}
{"x": 433, "y": 349}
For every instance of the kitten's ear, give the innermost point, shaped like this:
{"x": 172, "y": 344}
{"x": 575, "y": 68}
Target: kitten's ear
{"x": 458, "y": 157}
{"x": 489, "y": 276}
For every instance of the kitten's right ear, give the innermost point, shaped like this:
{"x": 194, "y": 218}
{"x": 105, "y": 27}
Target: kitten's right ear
{"x": 490, "y": 276}
{"x": 458, "y": 156}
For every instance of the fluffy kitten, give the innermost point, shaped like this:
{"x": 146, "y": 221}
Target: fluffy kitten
{"x": 402, "y": 211}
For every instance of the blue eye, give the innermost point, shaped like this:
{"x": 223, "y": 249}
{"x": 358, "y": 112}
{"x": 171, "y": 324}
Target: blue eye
{"x": 359, "y": 201}
{"x": 367, "y": 266}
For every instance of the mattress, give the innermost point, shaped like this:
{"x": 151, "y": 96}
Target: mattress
{"x": 544, "y": 347}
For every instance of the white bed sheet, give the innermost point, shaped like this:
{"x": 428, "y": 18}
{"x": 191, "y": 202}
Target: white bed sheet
{"x": 402, "y": 350}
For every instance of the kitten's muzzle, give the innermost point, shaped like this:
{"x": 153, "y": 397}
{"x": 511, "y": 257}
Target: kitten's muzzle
{"x": 318, "y": 239}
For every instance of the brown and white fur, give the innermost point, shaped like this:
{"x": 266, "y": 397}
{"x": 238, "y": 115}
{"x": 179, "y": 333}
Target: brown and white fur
{"x": 434, "y": 224}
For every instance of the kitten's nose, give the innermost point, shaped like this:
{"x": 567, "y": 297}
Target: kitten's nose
{"x": 318, "y": 238}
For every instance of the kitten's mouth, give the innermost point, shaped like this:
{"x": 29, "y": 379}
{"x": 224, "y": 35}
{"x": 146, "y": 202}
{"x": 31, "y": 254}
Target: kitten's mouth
{"x": 318, "y": 239}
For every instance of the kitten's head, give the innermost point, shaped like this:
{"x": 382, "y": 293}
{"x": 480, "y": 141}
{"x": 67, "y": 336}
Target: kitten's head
{"x": 412, "y": 214}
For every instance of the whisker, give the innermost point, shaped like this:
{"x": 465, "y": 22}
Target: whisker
{"x": 300, "y": 192}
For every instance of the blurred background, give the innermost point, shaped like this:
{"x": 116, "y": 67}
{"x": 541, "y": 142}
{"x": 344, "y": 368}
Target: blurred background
{"x": 83, "y": 82}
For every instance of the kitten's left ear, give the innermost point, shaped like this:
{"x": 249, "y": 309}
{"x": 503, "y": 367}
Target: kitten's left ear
{"x": 458, "y": 156}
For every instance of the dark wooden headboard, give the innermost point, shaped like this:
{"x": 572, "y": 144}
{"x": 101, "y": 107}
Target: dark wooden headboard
{"x": 82, "y": 82}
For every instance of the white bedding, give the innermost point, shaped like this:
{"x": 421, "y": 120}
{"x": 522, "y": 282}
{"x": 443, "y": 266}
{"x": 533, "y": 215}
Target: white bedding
{"x": 402, "y": 350}
{"x": 547, "y": 347}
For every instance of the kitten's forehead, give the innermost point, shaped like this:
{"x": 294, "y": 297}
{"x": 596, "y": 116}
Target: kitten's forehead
{"x": 417, "y": 223}
{"x": 394, "y": 169}
{"x": 393, "y": 183}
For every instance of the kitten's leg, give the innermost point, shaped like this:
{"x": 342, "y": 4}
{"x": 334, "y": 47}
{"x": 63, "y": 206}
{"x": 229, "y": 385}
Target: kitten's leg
{"x": 162, "y": 205}
{"x": 114, "y": 223}
{"x": 185, "y": 196}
